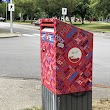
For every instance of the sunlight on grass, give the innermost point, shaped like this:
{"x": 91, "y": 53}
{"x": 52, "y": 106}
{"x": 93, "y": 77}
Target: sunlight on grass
{"x": 94, "y": 26}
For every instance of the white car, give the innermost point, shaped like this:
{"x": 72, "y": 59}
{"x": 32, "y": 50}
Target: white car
{"x": 37, "y": 23}
{"x": 2, "y": 19}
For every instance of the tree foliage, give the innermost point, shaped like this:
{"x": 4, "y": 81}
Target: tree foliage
{"x": 103, "y": 7}
{"x": 54, "y": 7}
{"x": 2, "y": 9}
{"x": 83, "y": 9}
{"x": 50, "y": 8}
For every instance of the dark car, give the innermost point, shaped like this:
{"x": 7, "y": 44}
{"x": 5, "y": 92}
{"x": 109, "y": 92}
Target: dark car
{"x": 2, "y": 19}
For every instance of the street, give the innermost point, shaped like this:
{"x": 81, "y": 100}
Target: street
{"x": 20, "y": 56}
{"x": 101, "y": 59}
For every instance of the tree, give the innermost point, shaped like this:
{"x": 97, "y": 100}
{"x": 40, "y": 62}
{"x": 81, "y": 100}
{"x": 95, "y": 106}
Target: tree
{"x": 82, "y": 9}
{"x": 70, "y": 5}
{"x": 27, "y": 8}
{"x": 48, "y": 8}
{"x": 2, "y": 9}
{"x": 103, "y": 8}
{"x": 94, "y": 12}
{"x": 54, "y": 7}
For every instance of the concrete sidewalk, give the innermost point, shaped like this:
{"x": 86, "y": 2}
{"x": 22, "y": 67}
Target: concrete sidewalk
{"x": 9, "y": 35}
{"x": 17, "y": 94}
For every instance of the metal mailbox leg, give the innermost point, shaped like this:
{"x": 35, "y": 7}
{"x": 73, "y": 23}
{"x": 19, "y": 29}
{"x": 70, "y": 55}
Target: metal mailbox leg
{"x": 77, "y": 101}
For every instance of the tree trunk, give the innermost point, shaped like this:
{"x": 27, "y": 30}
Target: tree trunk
{"x": 75, "y": 19}
{"x": 31, "y": 20}
{"x": 70, "y": 19}
{"x": 82, "y": 20}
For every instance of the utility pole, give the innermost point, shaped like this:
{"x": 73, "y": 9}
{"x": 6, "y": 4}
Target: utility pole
{"x": 11, "y": 20}
{"x": 6, "y": 11}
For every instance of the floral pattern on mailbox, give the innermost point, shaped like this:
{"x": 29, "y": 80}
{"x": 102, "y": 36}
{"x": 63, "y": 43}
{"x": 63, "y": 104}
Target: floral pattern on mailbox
{"x": 66, "y": 58}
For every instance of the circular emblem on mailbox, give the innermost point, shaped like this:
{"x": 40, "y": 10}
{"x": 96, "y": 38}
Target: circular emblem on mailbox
{"x": 74, "y": 55}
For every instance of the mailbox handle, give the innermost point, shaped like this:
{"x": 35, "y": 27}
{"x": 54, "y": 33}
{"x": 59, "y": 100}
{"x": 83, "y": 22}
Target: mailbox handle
{"x": 43, "y": 49}
{"x": 47, "y": 25}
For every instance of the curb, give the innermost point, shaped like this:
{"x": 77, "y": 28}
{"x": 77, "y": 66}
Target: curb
{"x": 9, "y": 35}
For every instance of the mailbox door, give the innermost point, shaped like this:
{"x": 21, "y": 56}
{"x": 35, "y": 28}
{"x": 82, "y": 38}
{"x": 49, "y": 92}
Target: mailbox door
{"x": 48, "y": 56}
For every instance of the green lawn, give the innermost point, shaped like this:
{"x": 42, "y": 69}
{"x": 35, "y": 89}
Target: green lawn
{"x": 94, "y": 26}
{"x": 27, "y": 22}
{"x": 33, "y": 108}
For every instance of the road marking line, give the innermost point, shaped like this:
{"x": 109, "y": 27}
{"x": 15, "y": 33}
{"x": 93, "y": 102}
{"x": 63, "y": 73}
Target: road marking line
{"x": 36, "y": 34}
{"x": 27, "y": 35}
{"x": 31, "y": 34}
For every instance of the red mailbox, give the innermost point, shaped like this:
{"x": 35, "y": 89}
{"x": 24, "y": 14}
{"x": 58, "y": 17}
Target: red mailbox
{"x": 66, "y": 57}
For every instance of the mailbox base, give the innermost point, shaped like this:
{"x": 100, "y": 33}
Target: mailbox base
{"x": 76, "y": 101}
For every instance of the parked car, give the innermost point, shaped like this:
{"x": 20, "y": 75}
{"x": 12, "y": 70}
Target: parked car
{"x": 2, "y": 19}
{"x": 37, "y": 23}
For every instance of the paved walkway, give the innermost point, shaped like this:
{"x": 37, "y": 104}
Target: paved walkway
{"x": 17, "y": 94}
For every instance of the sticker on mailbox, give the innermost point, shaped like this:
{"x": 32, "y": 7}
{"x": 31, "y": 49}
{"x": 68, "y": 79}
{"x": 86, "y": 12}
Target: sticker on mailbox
{"x": 43, "y": 36}
{"x": 74, "y": 55}
{"x": 51, "y": 38}
{"x": 48, "y": 37}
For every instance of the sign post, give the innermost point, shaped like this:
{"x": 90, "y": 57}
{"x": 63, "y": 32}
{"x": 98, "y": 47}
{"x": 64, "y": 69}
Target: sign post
{"x": 6, "y": 1}
{"x": 64, "y": 12}
{"x": 6, "y": 11}
{"x": 11, "y": 8}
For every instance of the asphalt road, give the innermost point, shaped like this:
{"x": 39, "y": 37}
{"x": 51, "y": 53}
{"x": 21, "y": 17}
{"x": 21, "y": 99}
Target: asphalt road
{"x": 24, "y": 29}
{"x": 101, "y": 59}
{"x": 20, "y": 56}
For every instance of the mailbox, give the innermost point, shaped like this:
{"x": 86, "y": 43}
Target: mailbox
{"x": 66, "y": 57}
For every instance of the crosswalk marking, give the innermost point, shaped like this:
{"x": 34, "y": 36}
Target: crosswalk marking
{"x": 36, "y": 34}
{"x": 31, "y": 35}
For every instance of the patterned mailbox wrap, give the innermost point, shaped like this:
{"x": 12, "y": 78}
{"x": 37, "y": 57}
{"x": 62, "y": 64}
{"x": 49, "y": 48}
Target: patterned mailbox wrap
{"x": 66, "y": 57}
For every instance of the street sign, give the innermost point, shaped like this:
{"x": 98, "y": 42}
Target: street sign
{"x": 5, "y": 0}
{"x": 11, "y": 7}
{"x": 64, "y": 11}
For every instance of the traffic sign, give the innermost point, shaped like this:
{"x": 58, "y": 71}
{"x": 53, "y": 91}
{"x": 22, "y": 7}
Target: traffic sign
{"x": 64, "y": 11}
{"x": 5, "y": 0}
{"x": 11, "y": 7}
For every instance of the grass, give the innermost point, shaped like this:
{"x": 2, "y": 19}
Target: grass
{"x": 94, "y": 26}
{"x": 102, "y": 104}
{"x": 27, "y": 22}
{"x": 33, "y": 108}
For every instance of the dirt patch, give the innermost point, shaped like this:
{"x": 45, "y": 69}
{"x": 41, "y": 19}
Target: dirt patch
{"x": 103, "y": 104}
